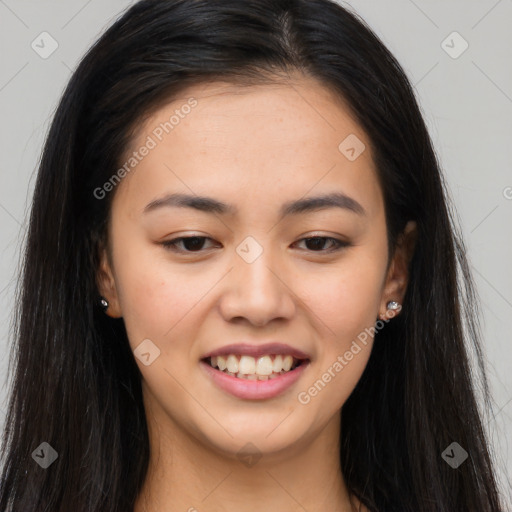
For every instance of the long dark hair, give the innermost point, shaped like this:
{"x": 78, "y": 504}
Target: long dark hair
{"x": 76, "y": 385}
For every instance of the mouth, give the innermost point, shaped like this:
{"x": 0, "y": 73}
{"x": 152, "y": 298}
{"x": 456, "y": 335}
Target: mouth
{"x": 260, "y": 377}
{"x": 266, "y": 367}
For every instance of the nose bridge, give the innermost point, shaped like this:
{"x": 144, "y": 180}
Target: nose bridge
{"x": 257, "y": 265}
{"x": 258, "y": 288}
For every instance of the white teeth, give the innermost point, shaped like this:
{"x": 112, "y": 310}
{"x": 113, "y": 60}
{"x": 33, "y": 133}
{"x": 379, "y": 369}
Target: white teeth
{"x": 246, "y": 367}
{"x": 287, "y": 363}
{"x": 264, "y": 365}
{"x": 232, "y": 364}
{"x": 278, "y": 364}
{"x": 254, "y": 376}
{"x": 221, "y": 363}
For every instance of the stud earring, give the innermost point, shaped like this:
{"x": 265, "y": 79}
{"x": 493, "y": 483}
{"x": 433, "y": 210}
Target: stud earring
{"x": 104, "y": 303}
{"x": 393, "y": 305}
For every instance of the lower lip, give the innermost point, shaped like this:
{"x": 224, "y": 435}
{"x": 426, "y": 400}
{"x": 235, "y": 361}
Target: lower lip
{"x": 254, "y": 389}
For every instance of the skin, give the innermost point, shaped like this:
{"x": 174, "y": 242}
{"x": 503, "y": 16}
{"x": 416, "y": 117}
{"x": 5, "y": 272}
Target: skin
{"x": 254, "y": 147}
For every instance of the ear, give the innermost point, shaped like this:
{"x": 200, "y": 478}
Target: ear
{"x": 398, "y": 273}
{"x": 106, "y": 284}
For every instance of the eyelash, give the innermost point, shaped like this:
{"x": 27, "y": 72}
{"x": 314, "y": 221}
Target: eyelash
{"x": 172, "y": 244}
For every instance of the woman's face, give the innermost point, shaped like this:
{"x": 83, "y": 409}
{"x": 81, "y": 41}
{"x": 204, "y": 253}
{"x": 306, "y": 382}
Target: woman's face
{"x": 260, "y": 155}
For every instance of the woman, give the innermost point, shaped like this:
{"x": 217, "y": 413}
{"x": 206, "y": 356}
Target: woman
{"x": 241, "y": 279}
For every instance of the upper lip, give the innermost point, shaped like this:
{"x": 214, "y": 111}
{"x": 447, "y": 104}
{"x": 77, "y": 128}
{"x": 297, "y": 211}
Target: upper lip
{"x": 257, "y": 350}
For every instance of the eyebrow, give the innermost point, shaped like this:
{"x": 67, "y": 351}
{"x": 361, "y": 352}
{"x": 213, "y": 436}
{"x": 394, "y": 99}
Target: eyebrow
{"x": 304, "y": 205}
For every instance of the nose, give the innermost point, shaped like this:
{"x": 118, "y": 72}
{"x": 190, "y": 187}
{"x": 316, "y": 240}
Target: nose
{"x": 258, "y": 292}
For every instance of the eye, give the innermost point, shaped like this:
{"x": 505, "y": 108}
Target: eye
{"x": 319, "y": 241}
{"x": 191, "y": 243}
{"x": 195, "y": 243}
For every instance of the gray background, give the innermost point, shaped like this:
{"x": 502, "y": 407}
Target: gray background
{"x": 467, "y": 104}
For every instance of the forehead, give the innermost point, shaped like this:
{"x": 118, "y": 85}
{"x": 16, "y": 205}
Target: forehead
{"x": 260, "y": 141}
{"x": 258, "y": 112}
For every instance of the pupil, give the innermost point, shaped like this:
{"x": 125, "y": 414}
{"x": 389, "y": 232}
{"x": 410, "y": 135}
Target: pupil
{"x": 195, "y": 242}
{"x": 317, "y": 243}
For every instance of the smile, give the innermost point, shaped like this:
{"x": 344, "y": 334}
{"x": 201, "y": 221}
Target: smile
{"x": 253, "y": 378}
{"x": 252, "y": 368}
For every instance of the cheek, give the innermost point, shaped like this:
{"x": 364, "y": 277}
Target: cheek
{"x": 155, "y": 299}
{"x": 347, "y": 298}
{"x": 346, "y": 301}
